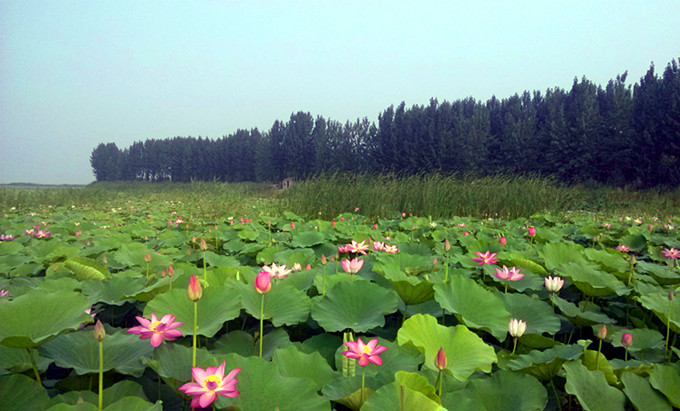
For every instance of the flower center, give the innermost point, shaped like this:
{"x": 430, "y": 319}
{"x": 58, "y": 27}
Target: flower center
{"x": 367, "y": 349}
{"x": 211, "y": 382}
{"x": 153, "y": 325}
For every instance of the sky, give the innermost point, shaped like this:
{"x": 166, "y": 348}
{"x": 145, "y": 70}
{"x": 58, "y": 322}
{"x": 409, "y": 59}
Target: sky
{"x": 74, "y": 74}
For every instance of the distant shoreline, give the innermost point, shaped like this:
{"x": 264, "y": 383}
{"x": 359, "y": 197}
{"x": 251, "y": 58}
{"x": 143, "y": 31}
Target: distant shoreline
{"x": 36, "y": 185}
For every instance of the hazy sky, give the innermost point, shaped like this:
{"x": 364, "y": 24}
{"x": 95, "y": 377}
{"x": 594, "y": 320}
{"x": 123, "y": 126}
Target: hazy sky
{"x": 74, "y": 74}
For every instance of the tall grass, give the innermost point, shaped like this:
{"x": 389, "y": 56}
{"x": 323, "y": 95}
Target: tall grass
{"x": 376, "y": 196}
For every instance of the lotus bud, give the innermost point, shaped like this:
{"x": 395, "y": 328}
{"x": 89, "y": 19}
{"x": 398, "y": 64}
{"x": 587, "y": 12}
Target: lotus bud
{"x": 447, "y": 245}
{"x": 204, "y": 245}
{"x": 263, "y": 282}
{"x": 171, "y": 271}
{"x": 602, "y": 332}
{"x": 531, "y": 231}
{"x": 440, "y": 360}
{"x": 292, "y": 225}
{"x": 627, "y": 340}
{"x": 670, "y": 295}
{"x": 516, "y": 328}
{"x": 99, "y": 332}
{"x": 553, "y": 284}
{"x": 502, "y": 241}
{"x": 297, "y": 267}
{"x": 324, "y": 261}
{"x": 147, "y": 257}
{"x": 194, "y": 291}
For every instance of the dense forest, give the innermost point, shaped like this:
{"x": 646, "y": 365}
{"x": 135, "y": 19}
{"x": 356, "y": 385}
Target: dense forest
{"x": 617, "y": 134}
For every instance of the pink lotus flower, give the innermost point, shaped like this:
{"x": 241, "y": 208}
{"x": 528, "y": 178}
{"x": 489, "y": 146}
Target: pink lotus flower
{"x": 486, "y": 258}
{"x": 209, "y": 383}
{"x": 365, "y": 353}
{"x": 277, "y": 271}
{"x": 378, "y": 246}
{"x": 42, "y": 234}
{"x": 4, "y": 293}
{"x": 263, "y": 282}
{"x": 671, "y": 253}
{"x": 6, "y": 237}
{"x": 356, "y": 248}
{"x": 352, "y": 266}
{"x": 622, "y": 248}
{"x": 553, "y": 284}
{"x": 508, "y": 274}
{"x": 157, "y": 331}
{"x": 391, "y": 249}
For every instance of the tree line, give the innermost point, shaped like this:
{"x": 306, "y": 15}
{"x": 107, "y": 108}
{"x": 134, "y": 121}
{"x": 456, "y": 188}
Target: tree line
{"x": 617, "y": 134}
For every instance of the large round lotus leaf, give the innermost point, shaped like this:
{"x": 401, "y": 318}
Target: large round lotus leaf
{"x": 357, "y": 305}
{"x": 591, "y": 388}
{"x": 581, "y": 316}
{"x": 557, "y": 253}
{"x": 662, "y": 274}
{"x": 545, "y": 365}
{"x": 592, "y": 281}
{"x": 402, "y": 266}
{"x": 465, "y": 351}
{"x": 590, "y": 360}
{"x": 641, "y": 394}
{"x": 241, "y": 343}
{"x": 86, "y": 269}
{"x": 505, "y": 390}
{"x": 112, "y": 291}
{"x": 307, "y": 239}
{"x": 80, "y": 351}
{"x": 520, "y": 261}
{"x": 608, "y": 261}
{"x": 17, "y": 360}
{"x": 261, "y": 387}
{"x": 173, "y": 363}
{"x": 21, "y": 393}
{"x": 644, "y": 339}
{"x": 38, "y": 316}
{"x": 283, "y": 304}
{"x": 292, "y": 363}
{"x": 474, "y": 305}
{"x": 418, "y": 383}
{"x": 112, "y": 394}
{"x": 217, "y": 306}
{"x": 666, "y": 379}
{"x": 653, "y": 298}
{"x": 412, "y": 294}
{"x": 538, "y": 315}
{"x": 395, "y": 395}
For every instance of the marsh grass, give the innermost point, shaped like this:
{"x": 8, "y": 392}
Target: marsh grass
{"x": 376, "y": 196}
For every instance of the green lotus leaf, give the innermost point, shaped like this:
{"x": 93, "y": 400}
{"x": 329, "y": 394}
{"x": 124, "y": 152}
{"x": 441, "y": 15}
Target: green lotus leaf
{"x": 502, "y": 390}
{"x": 641, "y": 394}
{"x": 347, "y": 390}
{"x": 466, "y": 352}
{"x": 248, "y": 235}
{"x": 173, "y": 363}
{"x": 217, "y": 306}
{"x": 538, "y": 314}
{"x": 292, "y": 363}
{"x": 608, "y": 261}
{"x": 283, "y": 304}
{"x": 307, "y": 239}
{"x": 132, "y": 254}
{"x": 590, "y": 360}
{"x": 579, "y": 316}
{"x": 656, "y": 300}
{"x": 16, "y": 360}
{"x": 112, "y": 394}
{"x": 558, "y": 253}
{"x": 418, "y": 383}
{"x": 591, "y": 388}
{"x": 400, "y": 267}
{"x": 635, "y": 242}
{"x": 592, "y": 281}
{"x": 545, "y": 365}
{"x": 85, "y": 269}
{"x": 216, "y": 260}
{"x": 662, "y": 274}
{"x": 261, "y": 387}
{"x": 397, "y": 396}
{"x": 22, "y": 393}
{"x": 474, "y": 305}
{"x": 667, "y": 380}
{"x": 324, "y": 344}
{"x": 644, "y": 339}
{"x": 82, "y": 406}
{"x": 357, "y": 305}
{"x": 38, "y": 316}
{"x": 517, "y": 260}
{"x": 134, "y": 403}
{"x": 113, "y": 291}
{"x": 80, "y": 351}
{"x": 412, "y": 294}
{"x": 241, "y": 343}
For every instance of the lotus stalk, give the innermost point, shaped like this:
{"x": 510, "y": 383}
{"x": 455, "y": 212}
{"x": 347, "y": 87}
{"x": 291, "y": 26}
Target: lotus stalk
{"x": 440, "y": 363}
{"x": 668, "y": 322}
{"x": 194, "y": 292}
{"x": 626, "y": 341}
{"x": 99, "y": 334}
{"x": 34, "y": 365}
{"x": 601, "y": 335}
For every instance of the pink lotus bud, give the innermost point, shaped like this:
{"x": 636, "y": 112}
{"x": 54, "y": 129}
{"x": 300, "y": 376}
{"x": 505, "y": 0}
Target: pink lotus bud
{"x": 627, "y": 340}
{"x": 78, "y": 233}
{"x": 531, "y": 231}
{"x": 99, "y": 332}
{"x": 147, "y": 257}
{"x": 375, "y": 226}
{"x": 171, "y": 271}
{"x": 333, "y": 223}
{"x": 292, "y": 225}
{"x": 466, "y": 234}
{"x": 342, "y": 218}
{"x": 194, "y": 291}
{"x": 352, "y": 266}
{"x": 324, "y": 261}
{"x": 602, "y": 332}
{"x": 308, "y": 267}
{"x": 204, "y": 245}
{"x": 502, "y": 241}
{"x": 447, "y": 245}
{"x": 297, "y": 267}
{"x": 440, "y": 360}
{"x": 263, "y": 282}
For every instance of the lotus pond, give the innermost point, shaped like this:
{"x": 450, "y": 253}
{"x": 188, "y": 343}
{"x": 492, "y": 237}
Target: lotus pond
{"x": 410, "y": 313}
